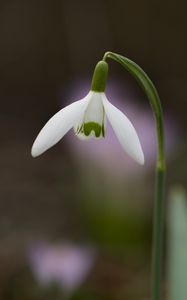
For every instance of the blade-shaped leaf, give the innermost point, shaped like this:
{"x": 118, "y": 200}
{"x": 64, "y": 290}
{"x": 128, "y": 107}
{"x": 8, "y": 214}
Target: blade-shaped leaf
{"x": 177, "y": 244}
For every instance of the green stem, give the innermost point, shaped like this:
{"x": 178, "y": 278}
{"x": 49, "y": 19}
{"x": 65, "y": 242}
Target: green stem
{"x": 151, "y": 92}
{"x": 158, "y": 234}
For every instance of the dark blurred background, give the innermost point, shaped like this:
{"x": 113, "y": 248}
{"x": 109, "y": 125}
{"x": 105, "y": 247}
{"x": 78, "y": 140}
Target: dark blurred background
{"x": 76, "y": 195}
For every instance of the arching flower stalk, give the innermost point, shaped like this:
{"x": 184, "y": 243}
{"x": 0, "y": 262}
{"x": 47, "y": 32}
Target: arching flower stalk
{"x": 158, "y": 222}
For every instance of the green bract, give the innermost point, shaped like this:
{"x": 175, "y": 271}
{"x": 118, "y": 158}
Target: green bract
{"x": 100, "y": 77}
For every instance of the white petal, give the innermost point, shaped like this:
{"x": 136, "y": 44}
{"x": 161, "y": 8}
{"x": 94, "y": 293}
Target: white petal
{"x": 95, "y": 111}
{"x": 59, "y": 125}
{"x": 124, "y": 131}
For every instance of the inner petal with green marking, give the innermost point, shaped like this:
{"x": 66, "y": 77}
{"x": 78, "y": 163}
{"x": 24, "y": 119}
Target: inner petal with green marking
{"x": 91, "y": 128}
{"x": 92, "y": 123}
{"x": 95, "y": 127}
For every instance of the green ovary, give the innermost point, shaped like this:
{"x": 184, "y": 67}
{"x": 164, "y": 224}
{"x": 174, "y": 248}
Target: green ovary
{"x": 92, "y": 126}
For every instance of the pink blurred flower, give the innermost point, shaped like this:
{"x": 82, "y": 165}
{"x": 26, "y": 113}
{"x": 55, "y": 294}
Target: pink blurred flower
{"x": 66, "y": 264}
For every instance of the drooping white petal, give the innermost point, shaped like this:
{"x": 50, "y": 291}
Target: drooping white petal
{"x": 59, "y": 125}
{"x": 124, "y": 131}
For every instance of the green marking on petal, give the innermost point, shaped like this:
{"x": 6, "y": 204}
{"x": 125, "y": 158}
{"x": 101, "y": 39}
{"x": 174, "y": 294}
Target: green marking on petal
{"x": 80, "y": 129}
{"x": 92, "y": 126}
{"x": 103, "y": 130}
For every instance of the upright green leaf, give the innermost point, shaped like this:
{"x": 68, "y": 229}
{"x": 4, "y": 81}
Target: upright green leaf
{"x": 177, "y": 244}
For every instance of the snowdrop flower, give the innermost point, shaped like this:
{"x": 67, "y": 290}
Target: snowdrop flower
{"x": 88, "y": 118}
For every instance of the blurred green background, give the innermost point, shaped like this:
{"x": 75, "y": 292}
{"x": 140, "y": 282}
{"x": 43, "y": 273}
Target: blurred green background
{"x": 87, "y": 195}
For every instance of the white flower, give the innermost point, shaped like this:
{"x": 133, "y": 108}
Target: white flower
{"x": 88, "y": 117}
